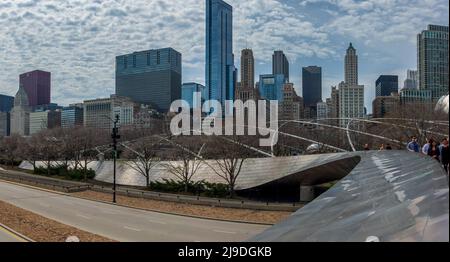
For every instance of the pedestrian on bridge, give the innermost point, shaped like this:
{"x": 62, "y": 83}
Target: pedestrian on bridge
{"x": 445, "y": 154}
{"x": 413, "y": 146}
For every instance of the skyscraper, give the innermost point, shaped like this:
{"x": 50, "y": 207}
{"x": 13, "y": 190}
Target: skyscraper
{"x": 37, "y": 85}
{"x": 280, "y": 64}
{"x": 351, "y": 95}
{"x": 351, "y": 66}
{"x": 5, "y": 124}
{"x": 6, "y": 103}
{"x": 386, "y": 84}
{"x": 220, "y": 70}
{"x": 151, "y": 77}
{"x": 187, "y": 94}
{"x": 245, "y": 90}
{"x": 72, "y": 116}
{"x": 432, "y": 55}
{"x": 247, "y": 69}
{"x": 412, "y": 80}
{"x": 271, "y": 87}
{"x": 20, "y": 114}
{"x": 312, "y": 85}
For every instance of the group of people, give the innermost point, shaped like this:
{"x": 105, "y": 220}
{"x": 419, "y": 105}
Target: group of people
{"x": 438, "y": 151}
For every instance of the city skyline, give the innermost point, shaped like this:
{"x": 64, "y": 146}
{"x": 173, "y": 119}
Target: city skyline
{"x": 85, "y": 65}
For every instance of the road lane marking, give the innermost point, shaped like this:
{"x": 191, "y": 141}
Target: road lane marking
{"x": 82, "y": 216}
{"x": 132, "y": 228}
{"x": 225, "y": 232}
{"x": 157, "y": 222}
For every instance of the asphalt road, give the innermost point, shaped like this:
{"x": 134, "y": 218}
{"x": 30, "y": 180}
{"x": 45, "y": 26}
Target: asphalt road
{"x": 6, "y": 236}
{"x": 125, "y": 224}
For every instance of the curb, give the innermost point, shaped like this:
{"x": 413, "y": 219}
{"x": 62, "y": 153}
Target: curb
{"x": 138, "y": 208}
{"x": 16, "y": 234}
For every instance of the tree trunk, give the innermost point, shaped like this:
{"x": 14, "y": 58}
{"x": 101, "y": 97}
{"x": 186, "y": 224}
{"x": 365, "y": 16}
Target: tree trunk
{"x": 85, "y": 170}
{"x": 48, "y": 167}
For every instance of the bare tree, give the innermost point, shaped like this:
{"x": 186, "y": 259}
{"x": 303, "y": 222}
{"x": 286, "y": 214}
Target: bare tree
{"x": 142, "y": 156}
{"x": 230, "y": 154}
{"x": 31, "y": 150}
{"x": 185, "y": 163}
{"x": 9, "y": 148}
{"x": 49, "y": 147}
{"x": 85, "y": 141}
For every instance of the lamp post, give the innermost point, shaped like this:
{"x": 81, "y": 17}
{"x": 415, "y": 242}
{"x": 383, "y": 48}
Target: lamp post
{"x": 115, "y": 135}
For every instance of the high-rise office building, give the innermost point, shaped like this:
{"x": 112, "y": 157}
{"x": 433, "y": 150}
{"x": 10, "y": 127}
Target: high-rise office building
{"x": 151, "y": 77}
{"x": 187, "y": 94}
{"x": 312, "y": 85}
{"x": 291, "y": 107}
{"x": 334, "y": 110}
{"x": 271, "y": 87}
{"x": 245, "y": 90}
{"x": 412, "y": 80}
{"x": 280, "y": 64}
{"x": 220, "y": 71}
{"x": 20, "y": 114}
{"x": 386, "y": 84}
{"x": 99, "y": 112}
{"x": 323, "y": 111}
{"x": 383, "y": 105}
{"x": 43, "y": 120}
{"x": 351, "y": 95}
{"x": 37, "y": 85}
{"x": 6, "y": 103}
{"x": 351, "y": 102}
{"x": 351, "y": 66}
{"x": 247, "y": 69}
{"x": 72, "y": 116}
{"x": 432, "y": 56}
{"x": 5, "y": 124}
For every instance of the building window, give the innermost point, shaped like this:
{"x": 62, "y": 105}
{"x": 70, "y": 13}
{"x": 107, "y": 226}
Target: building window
{"x": 158, "y": 58}
{"x": 134, "y": 60}
{"x": 148, "y": 59}
{"x": 125, "y": 62}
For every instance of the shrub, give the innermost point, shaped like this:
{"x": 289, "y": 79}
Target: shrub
{"x": 198, "y": 188}
{"x": 72, "y": 174}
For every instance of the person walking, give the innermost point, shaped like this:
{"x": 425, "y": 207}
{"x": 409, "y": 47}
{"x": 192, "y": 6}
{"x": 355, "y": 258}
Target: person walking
{"x": 413, "y": 146}
{"x": 426, "y": 147}
{"x": 433, "y": 151}
{"x": 366, "y": 147}
{"x": 445, "y": 152}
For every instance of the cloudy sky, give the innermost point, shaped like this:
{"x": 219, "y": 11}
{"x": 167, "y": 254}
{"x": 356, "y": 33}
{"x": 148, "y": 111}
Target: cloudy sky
{"x": 77, "y": 40}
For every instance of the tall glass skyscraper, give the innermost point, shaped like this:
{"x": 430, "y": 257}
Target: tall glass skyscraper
{"x": 220, "y": 71}
{"x": 151, "y": 77}
{"x": 432, "y": 45}
{"x": 386, "y": 84}
{"x": 312, "y": 85}
{"x": 37, "y": 85}
{"x": 271, "y": 87}
{"x": 6, "y": 103}
{"x": 187, "y": 94}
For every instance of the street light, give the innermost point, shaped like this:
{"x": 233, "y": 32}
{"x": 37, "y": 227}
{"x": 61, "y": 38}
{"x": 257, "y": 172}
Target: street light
{"x": 115, "y": 135}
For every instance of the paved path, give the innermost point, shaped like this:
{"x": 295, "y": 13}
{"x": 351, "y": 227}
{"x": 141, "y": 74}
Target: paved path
{"x": 124, "y": 224}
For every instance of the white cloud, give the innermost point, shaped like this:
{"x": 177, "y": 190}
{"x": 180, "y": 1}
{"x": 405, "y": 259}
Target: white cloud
{"x": 77, "y": 40}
